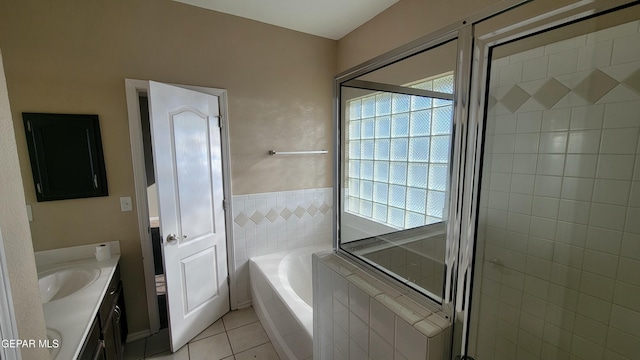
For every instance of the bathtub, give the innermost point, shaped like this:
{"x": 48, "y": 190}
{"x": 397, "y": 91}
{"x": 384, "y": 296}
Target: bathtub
{"x": 281, "y": 293}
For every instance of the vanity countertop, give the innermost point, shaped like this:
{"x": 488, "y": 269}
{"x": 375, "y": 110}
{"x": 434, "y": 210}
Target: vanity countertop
{"x": 73, "y": 315}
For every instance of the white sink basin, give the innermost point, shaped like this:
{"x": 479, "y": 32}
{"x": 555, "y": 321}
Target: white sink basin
{"x": 55, "y": 342}
{"x": 59, "y": 283}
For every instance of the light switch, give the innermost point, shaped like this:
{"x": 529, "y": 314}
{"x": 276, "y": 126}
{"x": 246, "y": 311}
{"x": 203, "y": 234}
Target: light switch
{"x": 126, "y": 204}
{"x": 29, "y": 213}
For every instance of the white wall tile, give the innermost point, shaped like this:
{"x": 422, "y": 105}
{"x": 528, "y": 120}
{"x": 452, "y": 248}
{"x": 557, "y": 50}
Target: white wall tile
{"x": 632, "y": 224}
{"x": 622, "y": 115}
{"x": 511, "y": 74}
{"x": 359, "y": 334}
{"x": 556, "y": 119}
{"x": 380, "y": 348}
{"x": 584, "y": 142}
{"x": 597, "y": 285}
{"x": 571, "y": 233}
{"x": 359, "y": 303}
{"x": 627, "y": 295}
{"x": 526, "y": 55}
{"x": 550, "y": 164}
{"x": 634, "y": 197}
{"x": 626, "y": 49}
{"x": 595, "y": 55}
{"x": 626, "y": 320}
{"x": 581, "y": 165}
{"x": 553, "y": 142}
{"x": 560, "y": 46}
{"x": 505, "y": 124}
{"x": 504, "y": 144}
{"x": 617, "y": 167}
{"x": 631, "y": 246}
{"x": 548, "y": 186}
{"x": 563, "y": 62}
{"x": 382, "y": 320}
{"x": 529, "y": 122}
{"x": 593, "y": 307}
{"x": 613, "y": 192}
{"x": 568, "y": 255}
{"x": 628, "y": 270}
{"x": 540, "y": 247}
{"x": 587, "y": 117}
{"x": 535, "y": 69}
{"x": 522, "y": 184}
{"x": 577, "y": 188}
{"x": 600, "y": 263}
{"x": 604, "y": 240}
{"x": 546, "y": 207}
{"x": 607, "y": 216}
{"x": 524, "y": 163}
{"x": 520, "y": 203}
{"x": 527, "y": 143}
{"x": 574, "y": 211}
{"x": 586, "y": 349}
{"x": 543, "y": 228}
{"x": 619, "y": 141}
{"x": 409, "y": 341}
{"x": 618, "y": 343}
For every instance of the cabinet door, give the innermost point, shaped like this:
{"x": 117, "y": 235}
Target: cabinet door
{"x": 66, "y": 156}
{"x": 119, "y": 320}
{"x": 92, "y": 344}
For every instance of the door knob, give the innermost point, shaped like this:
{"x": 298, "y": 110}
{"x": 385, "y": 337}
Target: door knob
{"x": 172, "y": 238}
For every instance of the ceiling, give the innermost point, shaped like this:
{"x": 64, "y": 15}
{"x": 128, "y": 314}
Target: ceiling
{"x": 331, "y": 19}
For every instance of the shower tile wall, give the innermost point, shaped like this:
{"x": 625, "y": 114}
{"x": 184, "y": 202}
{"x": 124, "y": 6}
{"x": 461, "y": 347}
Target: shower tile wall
{"x": 358, "y": 317}
{"x": 560, "y": 229}
{"x": 267, "y": 223}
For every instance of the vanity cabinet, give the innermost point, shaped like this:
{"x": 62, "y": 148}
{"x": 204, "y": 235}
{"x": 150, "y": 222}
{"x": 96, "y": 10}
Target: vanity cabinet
{"x": 109, "y": 330}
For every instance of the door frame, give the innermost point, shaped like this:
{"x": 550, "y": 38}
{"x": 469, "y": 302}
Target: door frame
{"x": 133, "y": 89}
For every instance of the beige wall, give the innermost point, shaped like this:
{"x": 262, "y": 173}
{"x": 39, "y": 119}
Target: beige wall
{"x": 18, "y": 248}
{"x": 402, "y": 23}
{"x": 72, "y": 56}
{"x": 409, "y": 20}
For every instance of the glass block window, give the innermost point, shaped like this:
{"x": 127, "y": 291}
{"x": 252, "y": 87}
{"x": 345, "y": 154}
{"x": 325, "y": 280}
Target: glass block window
{"x": 398, "y": 149}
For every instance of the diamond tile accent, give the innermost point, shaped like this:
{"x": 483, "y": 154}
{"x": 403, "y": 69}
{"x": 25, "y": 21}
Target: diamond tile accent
{"x": 550, "y": 93}
{"x": 633, "y": 81}
{"x": 272, "y": 215}
{"x": 286, "y": 214}
{"x": 257, "y": 217}
{"x": 514, "y": 98}
{"x": 492, "y": 101}
{"x": 324, "y": 208}
{"x": 299, "y": 211}
{"x": 595, "y": 86}
{"x": 241, "y": 219}
{"x": 312, "y": 210}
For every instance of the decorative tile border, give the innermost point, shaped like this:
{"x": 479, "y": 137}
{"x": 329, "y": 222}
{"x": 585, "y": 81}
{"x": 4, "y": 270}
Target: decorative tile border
{"x": 267, "y": 223}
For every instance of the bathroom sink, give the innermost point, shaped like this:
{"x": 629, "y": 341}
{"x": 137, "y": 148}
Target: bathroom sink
{"x": 60, "y": 283}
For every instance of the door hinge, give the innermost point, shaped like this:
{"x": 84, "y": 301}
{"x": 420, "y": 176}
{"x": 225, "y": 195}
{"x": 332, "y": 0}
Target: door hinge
{"x": 228, "y": 281}
{"x": 224, "y": 205}
{"x": 29, "y": 126}
{"x": 220, "y": 121}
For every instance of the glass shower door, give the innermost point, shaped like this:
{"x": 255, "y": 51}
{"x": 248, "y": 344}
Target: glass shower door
{"x": 556, "y": 272}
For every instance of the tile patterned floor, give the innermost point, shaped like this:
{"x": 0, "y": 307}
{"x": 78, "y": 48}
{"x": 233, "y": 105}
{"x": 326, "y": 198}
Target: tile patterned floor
{"x": 237, "y": 336}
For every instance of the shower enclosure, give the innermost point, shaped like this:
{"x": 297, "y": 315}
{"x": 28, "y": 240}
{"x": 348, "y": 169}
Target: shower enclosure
{"x": 504, "y": 187}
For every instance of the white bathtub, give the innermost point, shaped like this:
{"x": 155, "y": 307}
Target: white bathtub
{"x": 281, "y": 293}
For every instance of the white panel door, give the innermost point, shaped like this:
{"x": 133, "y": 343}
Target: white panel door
{"x": 187, "y": 157}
